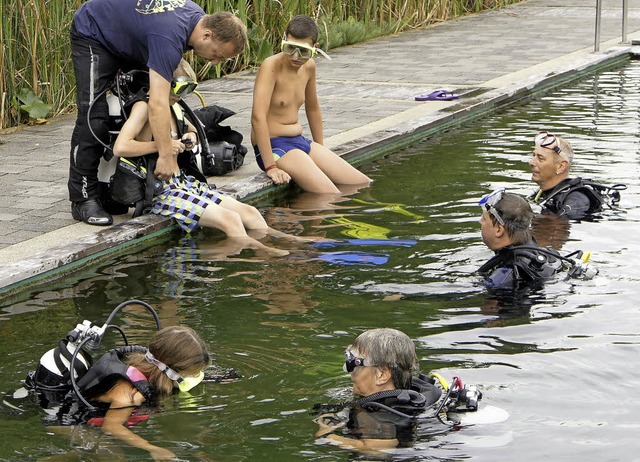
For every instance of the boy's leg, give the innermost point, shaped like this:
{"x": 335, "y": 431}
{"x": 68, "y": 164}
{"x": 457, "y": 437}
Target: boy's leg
{"x": 335, "y": 167}
{"x": 306, "y": 173}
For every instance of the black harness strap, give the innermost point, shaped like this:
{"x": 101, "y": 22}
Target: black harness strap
{"x": 62, "y": 351}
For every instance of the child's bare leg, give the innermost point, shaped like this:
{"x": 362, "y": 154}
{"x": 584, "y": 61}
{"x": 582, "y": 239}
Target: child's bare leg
{"x": 227, "y": 221}
{"x": 292, "y": 237}
{"x": 251, "y": 243}
{"x": 230, "y": 222}
{"x": 335, "y": 167}
{"x": 306, "y": 173}
{"x": 249, "y": 215}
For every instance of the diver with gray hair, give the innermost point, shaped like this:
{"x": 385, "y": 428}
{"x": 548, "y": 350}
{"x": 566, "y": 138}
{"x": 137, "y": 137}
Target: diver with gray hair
{"x": 392, "y": 351}
{"x": 573, "y": 198}
{"x": 392, "y": 396}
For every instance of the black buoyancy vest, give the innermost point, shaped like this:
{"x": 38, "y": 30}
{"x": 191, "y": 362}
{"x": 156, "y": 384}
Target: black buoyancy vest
{"x": 421, "y": 394}
{"x": 596, "y": 193}
{"x": 529, "y": 263}
{"x": 109, "y": 369}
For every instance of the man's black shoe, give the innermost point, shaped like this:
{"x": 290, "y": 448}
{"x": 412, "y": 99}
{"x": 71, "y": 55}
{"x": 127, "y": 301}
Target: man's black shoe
{"x": 91, "y": 212}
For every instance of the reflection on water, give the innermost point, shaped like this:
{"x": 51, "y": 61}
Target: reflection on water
{"x": 559, "y": 361}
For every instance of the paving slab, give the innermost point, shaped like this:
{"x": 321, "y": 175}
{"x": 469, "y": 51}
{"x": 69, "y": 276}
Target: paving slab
{"x": 367, "y": 96}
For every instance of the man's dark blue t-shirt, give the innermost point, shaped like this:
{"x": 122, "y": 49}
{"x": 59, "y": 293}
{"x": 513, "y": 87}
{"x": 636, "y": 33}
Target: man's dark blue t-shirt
{"x": 151, "y": 33}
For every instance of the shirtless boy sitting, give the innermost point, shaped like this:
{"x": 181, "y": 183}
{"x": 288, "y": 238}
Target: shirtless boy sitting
{"x": 285, "y": 82}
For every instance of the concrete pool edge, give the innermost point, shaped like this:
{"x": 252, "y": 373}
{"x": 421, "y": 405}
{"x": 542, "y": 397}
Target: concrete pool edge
{"x": 363, "y": 144}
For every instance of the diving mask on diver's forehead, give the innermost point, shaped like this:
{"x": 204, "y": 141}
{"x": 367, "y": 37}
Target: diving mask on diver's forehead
{"x": 185, "y": 383}
{"x": 489, "y": 203}
{"x": 182, "y": 86}
{"x": 547, "y": 140}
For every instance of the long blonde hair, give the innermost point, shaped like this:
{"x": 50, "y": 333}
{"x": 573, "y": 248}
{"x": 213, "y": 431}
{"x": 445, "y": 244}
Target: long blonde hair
{"x": 180, "y": 348}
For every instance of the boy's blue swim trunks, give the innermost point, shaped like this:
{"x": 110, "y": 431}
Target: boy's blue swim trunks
{"x": 281, "y": 145}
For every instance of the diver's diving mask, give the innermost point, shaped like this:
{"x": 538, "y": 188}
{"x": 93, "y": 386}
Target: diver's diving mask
{"x": 489, "y": 203}
{"x": 185, "y": 383}
{"x": 182, "y": 86}
{"x": 351, "y": 362}
{"x": 547, "y": 140}
{"x": 190, "y": 381}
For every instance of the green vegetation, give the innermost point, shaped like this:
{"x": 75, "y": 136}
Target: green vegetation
{"x": 36, "y": 72}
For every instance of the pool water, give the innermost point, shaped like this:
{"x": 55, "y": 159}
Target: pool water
{"x": 561, "y": 362}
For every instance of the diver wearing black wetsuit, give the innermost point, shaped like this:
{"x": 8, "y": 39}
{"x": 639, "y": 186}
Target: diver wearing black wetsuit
{"x": 515, "y": 266}
{"x": 518, "y": 261}
{"x": 573, "y": 198}
{"x": 506, "y": 229}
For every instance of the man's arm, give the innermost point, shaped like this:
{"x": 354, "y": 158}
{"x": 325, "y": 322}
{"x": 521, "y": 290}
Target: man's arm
{"x": 312, "y": 106}
{"x": 575, "y": 206}
{"x": 160, "y": 121}
{"x": 326, "y": 430}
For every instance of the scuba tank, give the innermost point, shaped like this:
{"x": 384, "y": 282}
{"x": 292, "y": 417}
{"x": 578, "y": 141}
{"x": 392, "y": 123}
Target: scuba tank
{"x": 57, "y": 365}
{"x": 220, "y": 150}
{"x": 61, "y": 369}
{"x": 129, "y": 182}
{"x": 225, "y": 149}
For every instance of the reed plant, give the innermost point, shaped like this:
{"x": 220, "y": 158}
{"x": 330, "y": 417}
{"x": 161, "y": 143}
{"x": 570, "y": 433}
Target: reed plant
{"x": 36, "y": 72}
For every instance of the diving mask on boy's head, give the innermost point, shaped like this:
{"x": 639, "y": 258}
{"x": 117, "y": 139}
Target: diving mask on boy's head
{"x": 182, "y": 86}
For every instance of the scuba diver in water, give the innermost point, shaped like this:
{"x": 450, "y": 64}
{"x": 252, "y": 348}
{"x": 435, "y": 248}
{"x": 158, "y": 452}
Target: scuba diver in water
{"x": 73, "y": 389}
{"x": 573, "y": 198}
{"x": 391, "y": 399}
{"x": 519, "y": 261}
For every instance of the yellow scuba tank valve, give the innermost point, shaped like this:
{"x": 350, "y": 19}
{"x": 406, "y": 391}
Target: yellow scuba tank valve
{"x": 441, "y": 379}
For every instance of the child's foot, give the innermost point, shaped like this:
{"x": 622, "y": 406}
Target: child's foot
{"x": 276, "y": 252}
